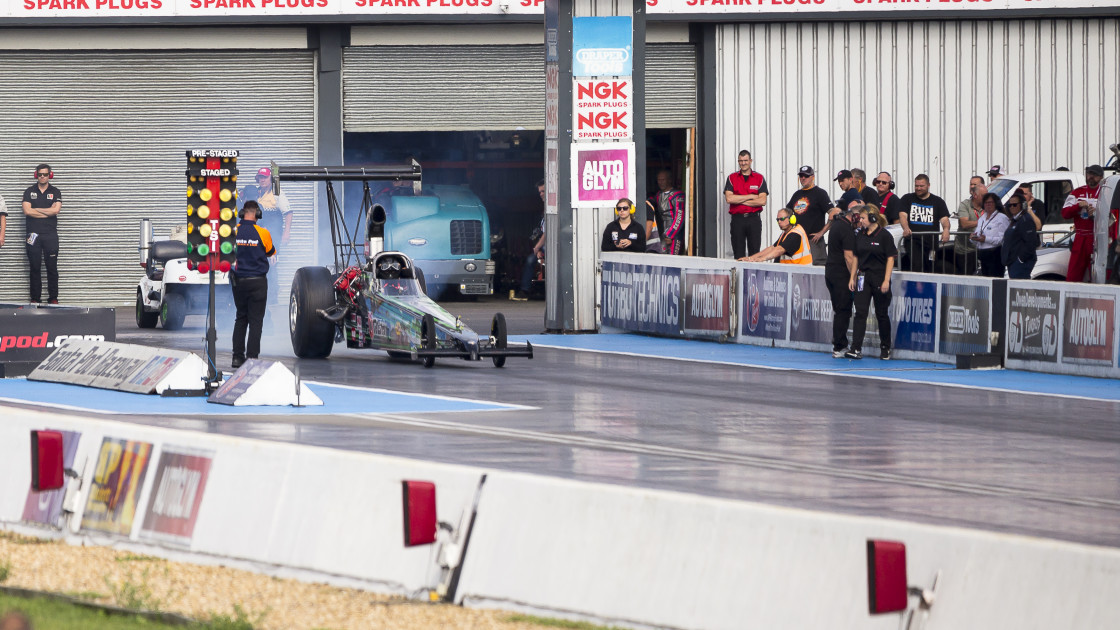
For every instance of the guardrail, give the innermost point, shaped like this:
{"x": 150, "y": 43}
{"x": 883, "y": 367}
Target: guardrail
{"x": 934, "y": 317}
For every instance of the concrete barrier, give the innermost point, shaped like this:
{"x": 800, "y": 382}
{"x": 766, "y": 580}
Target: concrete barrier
{"x": 615, "y": 554}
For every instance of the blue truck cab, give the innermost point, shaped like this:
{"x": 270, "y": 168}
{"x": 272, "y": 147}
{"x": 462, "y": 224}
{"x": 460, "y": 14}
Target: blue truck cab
{"x": 446, "y": 231}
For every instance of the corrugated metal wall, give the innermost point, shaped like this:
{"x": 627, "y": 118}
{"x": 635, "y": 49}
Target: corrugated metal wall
{"x": 945, "y": 98}
{"x": 466, "y": 88}
{"x": 115, "y": 125}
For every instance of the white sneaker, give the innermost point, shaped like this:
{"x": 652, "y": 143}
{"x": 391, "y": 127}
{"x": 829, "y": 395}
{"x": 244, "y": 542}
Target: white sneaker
{"x": 839, "y": 354}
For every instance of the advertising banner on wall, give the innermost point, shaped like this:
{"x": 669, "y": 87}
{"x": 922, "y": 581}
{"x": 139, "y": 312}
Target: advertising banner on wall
{"x": 603, "y": 109}
{"x": 45, "y": 507}
{"x": 601, "y": 46}
{"x": 602, "y": 173}
{"x": 913, "y": 315}
{"x": 965, "y": 318}
{"x": 642, "y": 298}
{"x": 707, "y": 302}
{"x": 854, "y": 7}
{"x": 1032, "y": 324}
{"x": 765, "y": 297}
{"x": 1088, "y": 329}
{"x": 810, "y": 309}
{"x": 176, "y": 494}
{"x": 115, "y": 491}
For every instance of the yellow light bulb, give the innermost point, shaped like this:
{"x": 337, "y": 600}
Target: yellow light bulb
{"x": 205, "y": 194}
{"x": 204, "y": 230}
{"x": 203, "y": 212}
{"x": 224, "y": 230}
{"x": 226, "y": 214}
{"x": 189, "y": 191}
{"x": 190, "y": 210}
{"x": 224, "y": 195}
{"x": 190, "y": 229}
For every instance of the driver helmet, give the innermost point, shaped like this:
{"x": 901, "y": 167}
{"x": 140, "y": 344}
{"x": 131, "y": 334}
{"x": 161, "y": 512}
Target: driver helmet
{"x": 389, "y": 268}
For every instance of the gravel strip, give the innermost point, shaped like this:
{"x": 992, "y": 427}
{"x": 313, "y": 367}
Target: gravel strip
{"x": 110, "y": 576}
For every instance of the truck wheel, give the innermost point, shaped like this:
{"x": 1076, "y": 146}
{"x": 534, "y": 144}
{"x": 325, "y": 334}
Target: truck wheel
{"x": 498, "y": 332}
{"x": 144, "y": 319}
{"x": 428, "y": 338}
{"x": 173, "y": 311}
{"x": 312, "y": 290}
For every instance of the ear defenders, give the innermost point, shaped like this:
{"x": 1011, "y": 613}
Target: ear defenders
{"x": 50, "y": 173}
{"x": 793, "y": 219}
{"x": 890, "y": 185}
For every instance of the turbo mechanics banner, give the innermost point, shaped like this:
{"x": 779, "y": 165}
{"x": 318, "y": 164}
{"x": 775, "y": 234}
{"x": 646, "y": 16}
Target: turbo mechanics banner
{"x": 642, "y": 298}
{"x": 1032, "y": 324}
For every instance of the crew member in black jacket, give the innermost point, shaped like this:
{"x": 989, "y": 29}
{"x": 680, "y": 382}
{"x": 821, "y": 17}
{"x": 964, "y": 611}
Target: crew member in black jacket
{"x": 250, "y": 285}
{"x": 1019, "y": 241}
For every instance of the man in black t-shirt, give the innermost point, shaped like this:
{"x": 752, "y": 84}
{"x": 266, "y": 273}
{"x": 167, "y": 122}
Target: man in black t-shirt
{"x": 922, "y": 215}
{"x": 41, "y": 204}
{"x": 859, "y": 182}
{"x": 811, "y": 204}
{"x": 838, "y": 268}
{"x": 888, "y": 201}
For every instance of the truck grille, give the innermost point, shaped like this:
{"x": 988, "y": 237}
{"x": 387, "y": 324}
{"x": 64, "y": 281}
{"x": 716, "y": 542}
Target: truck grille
{"x": 466, "y": 238}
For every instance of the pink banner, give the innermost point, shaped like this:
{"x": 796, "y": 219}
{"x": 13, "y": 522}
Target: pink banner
{"x": 602, "y": 175}
{"x": 176, "y": 494}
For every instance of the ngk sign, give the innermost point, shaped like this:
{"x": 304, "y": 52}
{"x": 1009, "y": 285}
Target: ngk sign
{"x": 603, "y": 109}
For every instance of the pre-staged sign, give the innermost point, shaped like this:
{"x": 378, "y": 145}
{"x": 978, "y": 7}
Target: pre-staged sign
{"x": 176, "y": 494}
{"x": 600, "y": 175}
{"x": 643, "y": 298}
{"x": 707, "y": 302}
{"x": 764, "y": 304}
{"x": 810, "y": 309}
{"x": 603, "y": 109}
{"x": 1032, "y": 324}
{"x": 115, "y": 491}
{"x": 1087, "y": 329}
{"x": 45, "y": 507}
{"x": 965, "y": 318}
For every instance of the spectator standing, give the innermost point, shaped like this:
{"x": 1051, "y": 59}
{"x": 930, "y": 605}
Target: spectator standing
{"x": 1036, "y": 207}
{"x": 888, "y": 201}
{"x": 995, "y": 172}
{"x": 529, "y": 269}
{"x": 876, "y": 252}
{"x": 846, "y": 181}
{"x": 250, "y": 283}
{"x": 792, "y": 246}
{"x": 624, "y": 234}
{"x": 41, "y": 204}
{"x": 669, "y": 205}
{"x": 1081, "y": 206}
{"x": 921, "y": 214}
{"x": 3, "y": 220}
{"x": 810, "y": 204}
{"x": 988, "y": 236}
{"x": 866, "y": 193}
{"x": 838, "y": 268}
{"x": 1020, "y": 241}
{"x": 746, "y": 194}
{"x": 970, "y": 208}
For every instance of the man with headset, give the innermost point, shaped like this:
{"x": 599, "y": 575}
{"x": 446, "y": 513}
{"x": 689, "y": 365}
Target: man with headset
{"x": 838, "y": 268}
{"x": 792, "y": 246}
{"x": 41, "y": 205}
{"x": 250, "y": 285}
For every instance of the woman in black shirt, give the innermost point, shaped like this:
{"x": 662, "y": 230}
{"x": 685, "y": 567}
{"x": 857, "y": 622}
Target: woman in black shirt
{"x": 871, "y": 279}
{"x": 624, "y": 234}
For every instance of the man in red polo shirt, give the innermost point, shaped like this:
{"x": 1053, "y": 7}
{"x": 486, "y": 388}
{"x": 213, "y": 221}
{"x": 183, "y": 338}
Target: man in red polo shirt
{"x": 746, "y": 193}
{"x": 1081, "y": 206}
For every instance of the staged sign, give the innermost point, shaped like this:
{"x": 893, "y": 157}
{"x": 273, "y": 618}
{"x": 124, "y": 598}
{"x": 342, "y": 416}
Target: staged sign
{"x": 1032, "y": 324}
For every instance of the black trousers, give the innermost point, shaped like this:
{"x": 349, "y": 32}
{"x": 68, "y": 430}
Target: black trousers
{"x": 45, "y": 246}
{"x": 746, "y": 234}
{"x": 250, "y": 296}
{"x": 836, "y": 279}
{"x": 991, "y": 262}
{"x": 872, "y": 283}
{"x": 918, "y": 249}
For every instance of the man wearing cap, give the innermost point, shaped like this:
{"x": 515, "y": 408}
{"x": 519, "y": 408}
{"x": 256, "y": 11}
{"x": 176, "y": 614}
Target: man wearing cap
{"x": 995, "y": 172}
{"x": 811, "y": 205}
{"x": 922, "y": 214}
{"x": 1081, "y": 206}
{"x": 746, "y": 194}
{"x": 250, "y": 283}
{"x": 276, "y": 217}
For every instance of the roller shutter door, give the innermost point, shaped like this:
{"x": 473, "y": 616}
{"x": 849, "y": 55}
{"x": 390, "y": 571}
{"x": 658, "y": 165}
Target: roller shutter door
{"x": 115, "y": 125}
{"x": 463, "y": 88}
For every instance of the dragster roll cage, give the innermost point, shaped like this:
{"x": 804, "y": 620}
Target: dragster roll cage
{"x": 348, "y": 242}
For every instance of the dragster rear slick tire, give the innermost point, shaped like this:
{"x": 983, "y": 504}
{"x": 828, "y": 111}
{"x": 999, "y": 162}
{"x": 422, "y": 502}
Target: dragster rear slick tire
{"x": 144, "y": 319}
{"x": 312, "y": 290}
{"x": 498, "y": 332}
